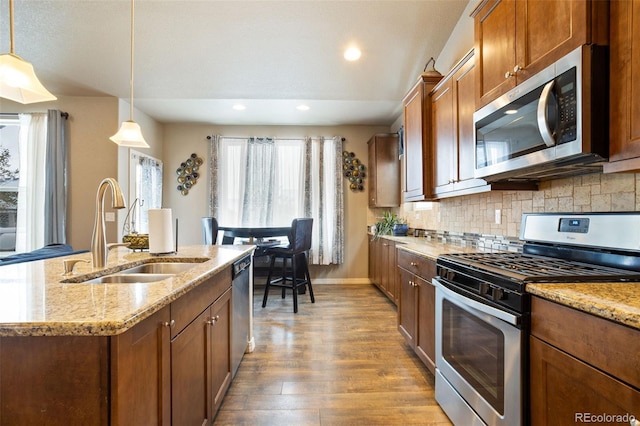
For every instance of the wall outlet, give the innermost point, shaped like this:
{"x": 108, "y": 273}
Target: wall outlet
{"x": 110, "y": 217}
{"x": 498, "y": 217}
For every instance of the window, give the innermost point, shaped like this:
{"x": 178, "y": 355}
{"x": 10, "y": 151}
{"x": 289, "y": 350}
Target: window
{"x": 145, "y": 190}
{"x": 9, "y": 175}
{"x": 258, "y": 182}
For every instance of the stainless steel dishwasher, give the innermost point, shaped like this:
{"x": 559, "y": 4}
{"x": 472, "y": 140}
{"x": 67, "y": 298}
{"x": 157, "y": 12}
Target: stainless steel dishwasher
{"x": 240, "y": 321}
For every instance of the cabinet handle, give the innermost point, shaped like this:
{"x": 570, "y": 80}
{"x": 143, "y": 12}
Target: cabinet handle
{"x": 509, "y": 74}
{"x": 385, "y": 244}
{"x": 213, "y": 320}
{"x": 517, "y": 68}
{"x": 414, "y": 263}
{"x": 170, "y": 324}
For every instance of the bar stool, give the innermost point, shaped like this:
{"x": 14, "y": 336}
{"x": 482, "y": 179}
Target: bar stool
{"x": 296, "y": 252}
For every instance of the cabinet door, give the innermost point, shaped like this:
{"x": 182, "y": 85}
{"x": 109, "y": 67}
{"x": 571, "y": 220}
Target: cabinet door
{"x": 426, "y": 318}
{"x": 384, "y": 171}
{"x": 495, "y": 49}
{"x": 444, "y": 137}
{"x": 546, "y": 31}
{"x": 465, "y": 88}
{"x": 392, "y": 271}
{"x": 373, "y": 243}
{"x": 407, "y": 307}
{"x": 624, "y": 87}
{"x": 565, "y": 389}
{"x": 189, "y": 373}
{"x": 219, "y": 348}
{"x": 384, "y": 265}
{"x": 413, "y": 145}
{"x": 140, "y": 374}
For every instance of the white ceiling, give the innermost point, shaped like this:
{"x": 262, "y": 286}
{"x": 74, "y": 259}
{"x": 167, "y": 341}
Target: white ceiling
{"x": 195, "y": 59}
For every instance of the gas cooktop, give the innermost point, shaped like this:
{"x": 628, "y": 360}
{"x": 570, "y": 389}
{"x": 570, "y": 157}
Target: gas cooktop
{"x": 529, "y": 268}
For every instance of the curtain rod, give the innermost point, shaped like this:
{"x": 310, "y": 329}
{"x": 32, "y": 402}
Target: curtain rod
{"x": 64, "y": 115}
{"x": 280, "y": 139}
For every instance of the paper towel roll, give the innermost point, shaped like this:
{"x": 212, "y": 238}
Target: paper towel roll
{"x": 160, "y": 231}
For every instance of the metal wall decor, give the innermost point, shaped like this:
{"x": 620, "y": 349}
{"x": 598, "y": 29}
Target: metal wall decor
{"x": 188, "y": 173}
{"x": 354, "y": 171}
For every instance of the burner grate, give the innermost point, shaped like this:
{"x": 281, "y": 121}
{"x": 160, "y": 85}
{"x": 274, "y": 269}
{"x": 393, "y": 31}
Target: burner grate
{"x": 530, "y": 268}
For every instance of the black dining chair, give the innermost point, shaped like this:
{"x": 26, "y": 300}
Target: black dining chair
{"x": 296, "y": 252}
{"x": 209, "y": 230}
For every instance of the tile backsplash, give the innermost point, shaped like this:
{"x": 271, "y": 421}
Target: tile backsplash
{"x": 477, "y": 213}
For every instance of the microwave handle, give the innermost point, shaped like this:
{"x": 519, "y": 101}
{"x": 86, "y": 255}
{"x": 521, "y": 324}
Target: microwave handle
{"x": 543, "y": 126}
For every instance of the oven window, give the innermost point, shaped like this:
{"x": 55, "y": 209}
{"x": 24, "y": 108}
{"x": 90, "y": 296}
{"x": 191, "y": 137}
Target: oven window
{"x": 475, "y": 350}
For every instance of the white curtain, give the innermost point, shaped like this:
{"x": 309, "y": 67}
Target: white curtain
{"x": 30, "y": 226}
{"x": 268, "y": 182}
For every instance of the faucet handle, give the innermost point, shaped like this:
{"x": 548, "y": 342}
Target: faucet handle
{"x": 114, "y": 245}
{"x": 69, "y": 264}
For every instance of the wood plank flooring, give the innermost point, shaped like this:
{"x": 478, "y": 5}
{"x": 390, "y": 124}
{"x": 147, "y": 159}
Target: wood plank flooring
{"x": 340, "y": 361}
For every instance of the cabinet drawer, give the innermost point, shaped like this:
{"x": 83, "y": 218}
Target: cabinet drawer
{"x": 189, "y": 306}
{"x": 417, "y": 265}
{"x": 609, "y": 346}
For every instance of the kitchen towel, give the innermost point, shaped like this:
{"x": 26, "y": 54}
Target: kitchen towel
{"x": 160, "y": 231}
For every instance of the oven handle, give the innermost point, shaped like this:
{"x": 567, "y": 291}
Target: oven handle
{"x": 486, "y": 309}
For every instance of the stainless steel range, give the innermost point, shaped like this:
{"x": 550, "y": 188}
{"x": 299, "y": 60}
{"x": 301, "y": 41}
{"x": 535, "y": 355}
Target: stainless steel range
{"x": 482, "y": 309}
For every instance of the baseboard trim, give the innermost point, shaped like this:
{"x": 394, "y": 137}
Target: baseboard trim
{"x": 340, "y": 281}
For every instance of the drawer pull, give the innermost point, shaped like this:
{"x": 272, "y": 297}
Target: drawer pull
{"x": 213, "y": 320}
{"x": 414, "y": 263}
{"x": 170, "y": 324}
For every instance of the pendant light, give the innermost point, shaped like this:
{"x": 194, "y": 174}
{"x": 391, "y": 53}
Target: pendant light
{"x": 129, "y": 134}
{"x": 18, "y": 81}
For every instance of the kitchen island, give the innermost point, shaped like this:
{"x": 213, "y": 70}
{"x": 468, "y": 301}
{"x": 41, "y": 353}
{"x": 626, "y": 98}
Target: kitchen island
{"x": 116, "y": 353}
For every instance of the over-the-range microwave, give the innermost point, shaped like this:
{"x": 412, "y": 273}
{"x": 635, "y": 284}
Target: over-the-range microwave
{"x": 553, "y": 125}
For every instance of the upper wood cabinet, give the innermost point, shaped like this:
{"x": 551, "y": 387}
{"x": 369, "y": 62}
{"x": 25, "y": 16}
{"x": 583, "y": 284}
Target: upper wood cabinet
{"x": 453, "y": 105}
{"x": 624, "y": 140}
{"x": 384, "y": 170}
{"x": 515, "y": 39}
{"x": 417, "y": 146}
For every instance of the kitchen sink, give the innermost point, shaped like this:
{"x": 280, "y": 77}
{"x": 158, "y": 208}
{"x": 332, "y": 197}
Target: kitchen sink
{"x": 129, "y": 278}
{"x": 160, "y": 268}
{"x": 144, "y": 273}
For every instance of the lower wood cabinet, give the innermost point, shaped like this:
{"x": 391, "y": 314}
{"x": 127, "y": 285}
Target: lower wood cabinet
{"x": 382, "y": 267}
{"x": 174, "y": 367}
{"x": 582, "y": 366}
{"x": 201, "y": 365}
{"x": 416, "y": 309}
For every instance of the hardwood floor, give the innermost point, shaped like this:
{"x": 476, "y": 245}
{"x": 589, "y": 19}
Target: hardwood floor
{"x": 340, "y": 361}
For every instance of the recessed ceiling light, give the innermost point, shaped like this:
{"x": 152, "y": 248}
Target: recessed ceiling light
{"x": 302, "y": 107}
{"x": 239, "y": 107}
{"x": 511, "y": 111}
{"x": 352, "y": 54}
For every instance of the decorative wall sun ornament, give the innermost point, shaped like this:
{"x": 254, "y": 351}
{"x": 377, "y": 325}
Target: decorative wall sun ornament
{"x": 188, "y": 173}
{"x": 354, "y": 171}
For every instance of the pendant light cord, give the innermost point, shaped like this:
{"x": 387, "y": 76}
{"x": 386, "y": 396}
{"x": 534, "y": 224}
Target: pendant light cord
{"x": 11, "y": 49}
{"x": 131, "y": 77}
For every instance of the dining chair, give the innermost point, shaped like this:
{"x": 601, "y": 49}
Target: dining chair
{"x": 296, "y": 253}
{"x": 209, "y": 230}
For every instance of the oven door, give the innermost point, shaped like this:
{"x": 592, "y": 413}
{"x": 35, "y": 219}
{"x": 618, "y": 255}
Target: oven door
{"x": 479, "y": 353}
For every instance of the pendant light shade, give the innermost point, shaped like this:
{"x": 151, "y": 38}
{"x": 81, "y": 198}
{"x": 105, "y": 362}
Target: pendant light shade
{"x": 18, "y": 81}
{"x": 129, "y": 134}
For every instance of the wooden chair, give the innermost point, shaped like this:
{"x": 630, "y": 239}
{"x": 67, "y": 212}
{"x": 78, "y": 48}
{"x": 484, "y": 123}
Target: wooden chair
{"x": 296, "y": 252}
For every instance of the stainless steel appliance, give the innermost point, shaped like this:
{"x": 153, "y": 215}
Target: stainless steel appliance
{"x": 240, "y": 323}
{"x": 482, "y": 309}
{"x": 555, "y": 124}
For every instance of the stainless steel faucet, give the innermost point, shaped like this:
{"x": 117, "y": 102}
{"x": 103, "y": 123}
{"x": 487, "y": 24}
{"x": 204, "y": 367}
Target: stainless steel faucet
{"x": 99, "y": 249}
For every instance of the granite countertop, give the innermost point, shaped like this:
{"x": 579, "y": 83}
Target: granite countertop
{"x": 618, "y": 301}
{"x": 431, "y": 248}
{"x": 37, "y": 300}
